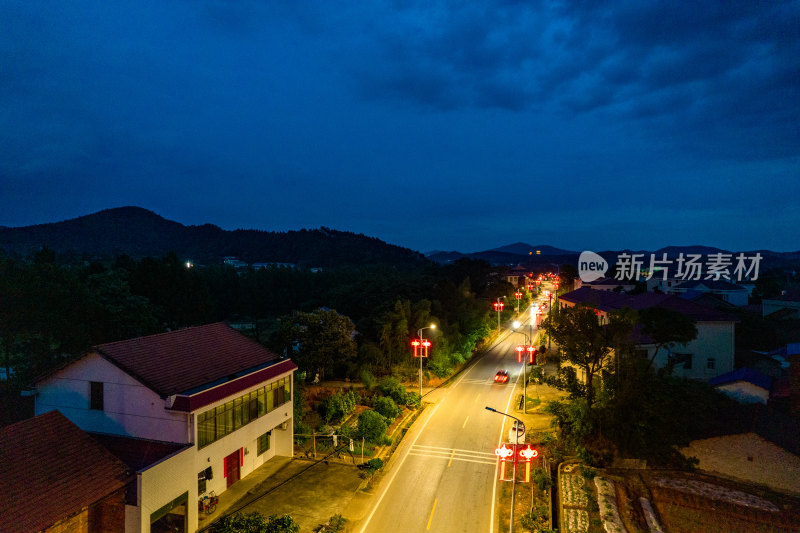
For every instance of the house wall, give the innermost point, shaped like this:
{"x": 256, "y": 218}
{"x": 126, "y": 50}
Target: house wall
{"x": 246, "y": 438}
{"x": 161, "y": 483}
{"x": 77, "y": 523}
{"x": 129, "y": 408}
{"x": 737, "y": 298}
{"x": 714, "y": 340}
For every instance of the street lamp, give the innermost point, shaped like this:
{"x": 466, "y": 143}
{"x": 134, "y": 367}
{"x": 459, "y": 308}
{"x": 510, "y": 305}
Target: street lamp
{"x": 425, "y": 343}
{"x": 498, "y": 306}
{"x": 518, "y": 295}
{"x": 514, "y": 479}
{"x": 525, "y": 359}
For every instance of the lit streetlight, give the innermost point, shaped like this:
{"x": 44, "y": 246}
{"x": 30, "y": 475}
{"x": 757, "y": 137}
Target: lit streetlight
{"x": 514, "y": 479}
{"x": 526, "y": 358}
{"x": 498, "y": 306}
{"x": 424, "y": 344}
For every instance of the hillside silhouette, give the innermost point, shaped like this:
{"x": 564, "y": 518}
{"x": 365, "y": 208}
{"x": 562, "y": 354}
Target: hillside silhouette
{"x": 138, "y": 232}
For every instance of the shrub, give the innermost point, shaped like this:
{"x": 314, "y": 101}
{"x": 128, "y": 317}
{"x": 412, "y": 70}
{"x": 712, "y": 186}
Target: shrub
{"x": 367, "y": 379}
{"x": 536, "y": 519}
{"x": 387, "y": 408}
{"x": 371, "y": 426}
{"x": 587, "y": 472}
{"x": 335, "y": 524}
{"x": 255, "y": 523}
{"x": 390, "y": 386}
{"x": 414, "y": 400}
{"x": 338, "y": 405}
{"x": 373, "y": 465}
{"x": 541, "y": 479}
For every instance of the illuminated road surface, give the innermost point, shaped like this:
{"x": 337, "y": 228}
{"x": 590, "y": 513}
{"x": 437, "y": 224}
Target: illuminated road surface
{"x": 442, "y": 476}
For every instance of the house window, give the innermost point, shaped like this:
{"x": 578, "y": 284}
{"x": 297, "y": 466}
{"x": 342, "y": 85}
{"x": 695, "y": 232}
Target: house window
{"x": 96, "y": 395}
{"x": 201, "y": 482}
{"x": 223, "y": 420}
{"x": 711, "y": 363}
{"x": 263, "y": 442}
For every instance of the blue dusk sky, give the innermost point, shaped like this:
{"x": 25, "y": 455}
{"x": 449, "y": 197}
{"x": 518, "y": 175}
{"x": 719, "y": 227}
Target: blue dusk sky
{"x": 451, "y": 125}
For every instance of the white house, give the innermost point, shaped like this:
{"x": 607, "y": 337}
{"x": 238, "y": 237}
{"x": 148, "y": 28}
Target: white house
{"x": 710, "y": 354}
{"x": 192, "y": 410}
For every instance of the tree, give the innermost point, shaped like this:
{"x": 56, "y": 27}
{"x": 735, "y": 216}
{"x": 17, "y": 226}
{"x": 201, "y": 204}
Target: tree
{"x": 666, "y": 328}
{"x": 387, "y": 408}
{"x": 371, "y": 426}
{"x": 584, "y": 343}
{"x": 320, "y": 341}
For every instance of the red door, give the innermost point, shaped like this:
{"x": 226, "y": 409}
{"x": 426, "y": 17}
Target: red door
{"x": 232, "y": 468}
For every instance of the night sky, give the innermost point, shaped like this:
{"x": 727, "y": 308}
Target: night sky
{"x": 432, "y": 125}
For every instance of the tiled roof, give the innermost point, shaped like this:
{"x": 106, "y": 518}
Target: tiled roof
{"x": 711, "y": 284}
{"x": 612, "y": 301}
{"x": 137, "y": 453}
{"x": 743, "y": 374}
{"x": 610, "y": 282}
{"x": 179, "y": 361}
{"x": 50, "y": 469}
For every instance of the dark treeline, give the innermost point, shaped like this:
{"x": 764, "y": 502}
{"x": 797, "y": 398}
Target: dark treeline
{"x": 51, "y": 312}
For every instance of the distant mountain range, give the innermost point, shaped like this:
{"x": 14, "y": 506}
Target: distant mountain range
{"x": 526, "y": 254}
{"x": 137, "y": 232}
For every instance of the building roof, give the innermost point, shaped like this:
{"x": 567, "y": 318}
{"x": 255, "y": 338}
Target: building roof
{"x": 743, "y": 374}
{"x": 51, "y": 470}
{"x": 611, "y": 282}
{"x": 710, "y": 284}
{"x": 180, "y": 361}
{"x": 612, "y": 301}
{"x": 137, "y": 453}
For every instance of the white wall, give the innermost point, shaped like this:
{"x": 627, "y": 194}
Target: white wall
{"x": 714, "y": 340}
{"x": 281, "y": 442}
{"x": 168, "y": 479}
{"x": 165, "y": 481}
{"x": 129, "y": 408}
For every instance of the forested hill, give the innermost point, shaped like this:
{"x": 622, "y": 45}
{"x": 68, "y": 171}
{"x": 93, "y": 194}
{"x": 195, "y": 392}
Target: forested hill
{"x": 138, "y": 233}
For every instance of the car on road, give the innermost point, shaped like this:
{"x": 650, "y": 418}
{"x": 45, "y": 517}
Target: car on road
{"x": 501, "y": 376}
{"x": 516, "y": 434}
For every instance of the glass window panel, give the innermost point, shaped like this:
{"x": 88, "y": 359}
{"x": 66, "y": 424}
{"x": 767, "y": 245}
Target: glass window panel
{"x": 220, "y": 423}
{"x": 262, "y": 408}
{"x": 237, "y": 413}
{"x": 229, "y": 421}
{"x": 270, "y": 401}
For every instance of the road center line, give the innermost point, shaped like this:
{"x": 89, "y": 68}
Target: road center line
{"x": 451, "y": 458}
{"x": 465, "y": 422}
{"x": 430, "y": 519}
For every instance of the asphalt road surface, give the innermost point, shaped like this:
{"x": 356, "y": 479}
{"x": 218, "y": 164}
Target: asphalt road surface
{"x": 442, "y": 477}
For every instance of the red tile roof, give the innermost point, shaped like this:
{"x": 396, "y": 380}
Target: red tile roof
{"x": 179, "y": 361}
{"x": 50, "y": 470}
{"x": 137, "y": 453}
{"x": 611, "y": 301}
